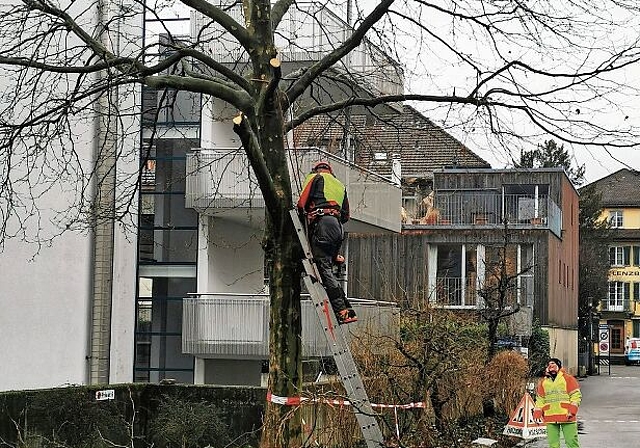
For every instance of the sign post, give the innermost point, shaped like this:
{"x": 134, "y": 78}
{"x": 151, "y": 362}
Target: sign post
{"x": 604, "y": 346}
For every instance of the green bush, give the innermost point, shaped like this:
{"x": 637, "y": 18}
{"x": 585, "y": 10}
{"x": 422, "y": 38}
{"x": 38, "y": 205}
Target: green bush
{"x": 76, "y": 419}
{"x": 182, "y": 424}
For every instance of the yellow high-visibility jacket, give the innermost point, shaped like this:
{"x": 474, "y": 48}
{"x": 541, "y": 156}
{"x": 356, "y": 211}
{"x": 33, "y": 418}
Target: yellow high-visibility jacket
{"x": 323, "y": 190}
{"x": 556, "y": 398}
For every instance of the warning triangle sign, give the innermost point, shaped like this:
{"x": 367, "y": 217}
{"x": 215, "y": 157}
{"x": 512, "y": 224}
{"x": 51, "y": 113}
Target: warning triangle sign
{"x": 521, "y": 423}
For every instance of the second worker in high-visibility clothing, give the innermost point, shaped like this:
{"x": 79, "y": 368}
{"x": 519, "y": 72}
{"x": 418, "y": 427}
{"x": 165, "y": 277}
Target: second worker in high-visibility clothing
{"x": 557, "y": 402}
{"x": 324, "y": 202}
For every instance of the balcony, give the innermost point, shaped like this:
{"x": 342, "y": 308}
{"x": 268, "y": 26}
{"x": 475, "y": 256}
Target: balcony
{"x": 308, "y": 32}
{"x": 483, "y": 209}
{"x": 617, "y": 305}
{"x": 221, "y": 182}
{"x": 237, "y": 325}
{"x": 456, "y": 292}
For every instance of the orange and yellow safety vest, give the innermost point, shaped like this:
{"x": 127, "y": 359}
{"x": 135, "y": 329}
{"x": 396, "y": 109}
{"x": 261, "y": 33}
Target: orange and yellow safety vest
{"x": 557, "y": 398}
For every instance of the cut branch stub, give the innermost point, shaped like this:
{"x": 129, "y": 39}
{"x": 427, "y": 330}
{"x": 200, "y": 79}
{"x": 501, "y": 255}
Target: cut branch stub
{"x": 275, "y": 62}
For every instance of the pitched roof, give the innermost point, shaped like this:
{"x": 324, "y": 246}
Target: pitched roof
{"x": 620, "y": 189}
{"x": 421, "y": 145}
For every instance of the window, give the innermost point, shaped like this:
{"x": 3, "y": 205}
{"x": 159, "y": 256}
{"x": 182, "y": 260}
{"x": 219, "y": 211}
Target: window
{"x": 615, "y": 218}
{"x": 167, "y": 248}
{"x": 618, "y": 296}
{"x": 456, "y": 281}
{"x": 636, "y": 255}
{"x": 379, "y": 156}
{"x": 620, "y": 255}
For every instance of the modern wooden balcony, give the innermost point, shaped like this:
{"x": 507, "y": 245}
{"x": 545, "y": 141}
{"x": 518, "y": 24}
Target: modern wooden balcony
{"x": 482, "y": 209}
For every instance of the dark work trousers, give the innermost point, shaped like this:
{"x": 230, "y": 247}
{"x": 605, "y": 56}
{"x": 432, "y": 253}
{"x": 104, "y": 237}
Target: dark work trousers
{"x": 326, "y": 239}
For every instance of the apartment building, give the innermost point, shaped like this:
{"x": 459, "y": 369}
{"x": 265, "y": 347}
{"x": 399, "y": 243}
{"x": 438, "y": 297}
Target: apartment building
{"x": 454, "y": 238}
{"x": 179, "y": 292}
{"x": 621, "y": 207}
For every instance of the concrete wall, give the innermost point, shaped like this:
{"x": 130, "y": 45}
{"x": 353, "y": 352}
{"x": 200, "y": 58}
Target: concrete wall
{"x": 230, "y": 260}
{"x": 563, "y": 345}
{"x": 46, "y": 269}
{"x": 45, "y": 308}
{"x": 235, "y": 255}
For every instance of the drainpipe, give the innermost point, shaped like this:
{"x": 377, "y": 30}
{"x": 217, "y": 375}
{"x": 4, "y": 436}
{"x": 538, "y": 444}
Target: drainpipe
{"x": 396, "y": 169}
{"x": 105, "y": 140}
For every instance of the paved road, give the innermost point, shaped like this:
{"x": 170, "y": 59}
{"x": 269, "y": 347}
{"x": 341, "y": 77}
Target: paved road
{"x": 610, "y": 413}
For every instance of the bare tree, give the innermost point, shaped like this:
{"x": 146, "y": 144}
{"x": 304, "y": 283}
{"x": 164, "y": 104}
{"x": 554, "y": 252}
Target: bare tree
{"x": 66, "y": 63}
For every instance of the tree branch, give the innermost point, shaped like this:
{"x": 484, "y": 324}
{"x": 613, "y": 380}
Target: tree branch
{"x": 251, "y": 145}
{"x": 317, "y": 69}
{"x": 384, "y": 99}
{"x": 223, "y": 19}
{"x": 278, "y": 10}
{"x": 241, "y": 100}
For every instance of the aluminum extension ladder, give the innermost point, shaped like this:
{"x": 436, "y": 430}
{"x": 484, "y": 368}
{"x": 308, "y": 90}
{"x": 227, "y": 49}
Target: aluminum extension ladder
{"x": 338, "y": 343}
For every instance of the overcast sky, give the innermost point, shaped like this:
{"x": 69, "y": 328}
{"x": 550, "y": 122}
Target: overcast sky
{"x": 599, "y": 162}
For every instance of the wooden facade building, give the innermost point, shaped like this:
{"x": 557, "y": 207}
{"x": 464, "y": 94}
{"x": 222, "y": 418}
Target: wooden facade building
{"x": 451, "y": 239}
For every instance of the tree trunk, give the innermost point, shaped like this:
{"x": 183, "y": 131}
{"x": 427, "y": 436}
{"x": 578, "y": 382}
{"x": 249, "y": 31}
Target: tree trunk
{"x": 492, "y": 336}
{"x": 282, "y": 425}
{"x": 261, "y": 130}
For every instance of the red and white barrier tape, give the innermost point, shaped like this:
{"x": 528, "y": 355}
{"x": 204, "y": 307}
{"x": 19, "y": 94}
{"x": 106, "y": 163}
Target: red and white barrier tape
{"x": 295, "y": 401}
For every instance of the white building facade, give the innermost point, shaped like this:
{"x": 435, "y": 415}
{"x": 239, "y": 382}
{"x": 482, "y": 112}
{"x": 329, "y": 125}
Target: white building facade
{"x": 175, "y": 289}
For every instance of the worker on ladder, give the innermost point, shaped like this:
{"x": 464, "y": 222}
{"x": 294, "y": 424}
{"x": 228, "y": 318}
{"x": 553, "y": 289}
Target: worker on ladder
{"x": 324, "y": 202}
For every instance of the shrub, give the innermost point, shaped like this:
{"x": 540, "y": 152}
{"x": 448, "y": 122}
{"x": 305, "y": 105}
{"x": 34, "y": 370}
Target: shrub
{"x": 183, "y": 424}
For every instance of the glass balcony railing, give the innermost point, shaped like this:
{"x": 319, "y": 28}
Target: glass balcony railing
{"x": 483, "y": 208}
{"x": 222, "y": 179}
{"x": 238, "y": 325}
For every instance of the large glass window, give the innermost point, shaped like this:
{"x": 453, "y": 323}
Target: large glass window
{"x": 159, "y": 329}
{"x": 456, "y": 276}
{"x": 167, "y": 251}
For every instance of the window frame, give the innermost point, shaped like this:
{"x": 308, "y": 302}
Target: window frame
{"x": 617, "y": 296}
{"x": 619, "y": 256}
{"x": 616, "y": 219}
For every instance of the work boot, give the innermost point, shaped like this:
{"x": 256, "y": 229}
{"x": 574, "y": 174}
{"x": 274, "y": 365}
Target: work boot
{"x": 346, "y": 317}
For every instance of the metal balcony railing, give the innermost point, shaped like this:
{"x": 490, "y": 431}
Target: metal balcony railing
{"x": 616, "y": 305}
{"x": 483, "y": 208}
{"x": 457, "y": 292}
{"x": 308, "y": 32}
{"x": 222, "y": 179}
{"x": 237, "y": 325}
